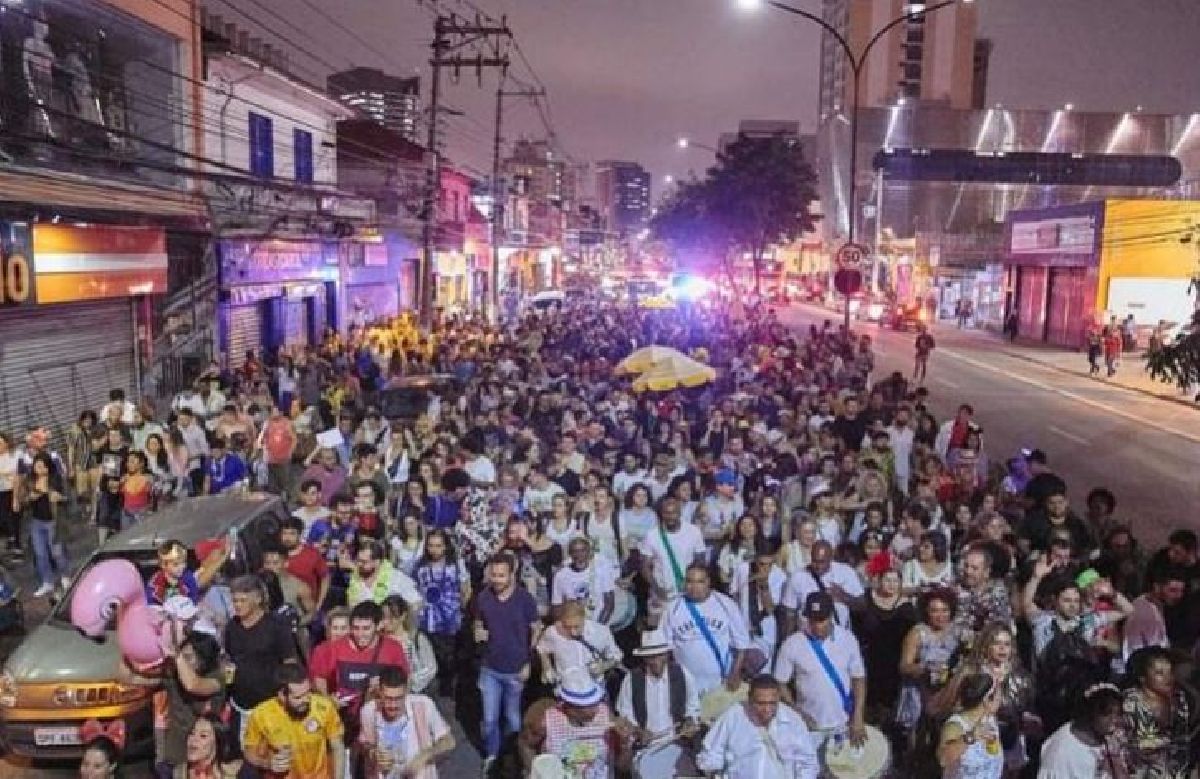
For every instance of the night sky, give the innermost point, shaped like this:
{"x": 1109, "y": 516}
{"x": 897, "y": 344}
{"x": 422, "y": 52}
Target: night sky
{"x": 627, "y": 77}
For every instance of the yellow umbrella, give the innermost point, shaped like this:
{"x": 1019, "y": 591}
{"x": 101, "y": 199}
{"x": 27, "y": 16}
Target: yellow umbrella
{"x": 656, "y": 302}
{"x": 646, "y": 358}
{"x": 672, "y": 374}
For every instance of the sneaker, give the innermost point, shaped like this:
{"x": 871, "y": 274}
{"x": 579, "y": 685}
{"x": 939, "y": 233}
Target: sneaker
{"x": 43, "y": 590}
{"x": 485, "y": 768}
{"x": 65, "y": 582}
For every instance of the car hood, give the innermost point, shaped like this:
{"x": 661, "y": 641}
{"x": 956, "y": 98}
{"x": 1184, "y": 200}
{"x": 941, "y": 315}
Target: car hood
{"x": 58, "y": 653}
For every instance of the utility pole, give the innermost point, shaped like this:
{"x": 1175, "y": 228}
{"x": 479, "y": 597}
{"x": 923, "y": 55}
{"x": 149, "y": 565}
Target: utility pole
{"x": 497, "y": 190}
{"x": 450, "y": 33}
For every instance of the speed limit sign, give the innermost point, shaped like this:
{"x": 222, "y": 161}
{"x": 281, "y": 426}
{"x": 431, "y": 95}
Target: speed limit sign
{"x": 851, "y": 256}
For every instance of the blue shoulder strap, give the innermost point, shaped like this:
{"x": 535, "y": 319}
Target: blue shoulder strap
{"x": 722, "y": 662}
{"x": 819, "y": 650}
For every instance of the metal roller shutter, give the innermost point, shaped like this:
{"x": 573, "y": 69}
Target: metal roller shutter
{"x": 57, "y": 360}
{"x": 296, "y": 322}
{"x": 245, "y": 332}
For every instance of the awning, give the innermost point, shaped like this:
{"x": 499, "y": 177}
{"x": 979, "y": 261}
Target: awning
{"x": 53, "y": 188}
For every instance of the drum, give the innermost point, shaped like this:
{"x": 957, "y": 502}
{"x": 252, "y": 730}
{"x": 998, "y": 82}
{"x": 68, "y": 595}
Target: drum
{"x": 547, "y": 767}
{"x": 663, "y": 758}
{"x": 870, "y": 761}
{"x": 624, "y": 610}
{"x": 716, "y": 701}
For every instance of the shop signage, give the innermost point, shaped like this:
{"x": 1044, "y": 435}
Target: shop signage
{"x": 1071, "y": 235}
{"x": 271, "y": 256}
{"x": 93, "y": 262}
{"x": 375, "y": 254}
{"x": 301, "y": 291}
{"x": 245, "y": 294}
{"x": 16, "y": 267}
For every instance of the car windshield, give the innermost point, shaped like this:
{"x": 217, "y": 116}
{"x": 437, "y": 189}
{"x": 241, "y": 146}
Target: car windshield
{"x": 145, "y": 560}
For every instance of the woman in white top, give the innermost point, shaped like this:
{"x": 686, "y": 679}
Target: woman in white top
{"x": 561, "y": 526}
{"x": 930, "y": 568}
{"x": 738, "y": 549}
{"x": 637, "y": 518}
{"x": 399, "y": 624}
{"x": 683, "y": 491}
{"x": 969, "y": 747}
{"x": 599, "y": 526}
{"x": 797, "y": 553}
{"x": 408, "y": 543}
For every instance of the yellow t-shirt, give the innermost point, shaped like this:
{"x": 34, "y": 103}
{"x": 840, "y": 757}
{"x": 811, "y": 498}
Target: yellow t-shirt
{"x": 271, "y": 728}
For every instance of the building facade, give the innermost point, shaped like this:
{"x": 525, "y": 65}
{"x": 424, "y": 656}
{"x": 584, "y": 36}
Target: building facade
{"x": 928, "y": 57}
{"x": 388, "y": 100}
{"x": 623, "y": 195}
{"x": 96, "y": 205}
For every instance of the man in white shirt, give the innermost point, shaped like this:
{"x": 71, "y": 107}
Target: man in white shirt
{"x": 591, "y": 582}
{"x": 659, "y": 700}
{"x": 629, "y": 475}
{"x": 118, "y": 407}
{"x": 662, "y": 474}
{"x": 706, "y": 632}
{"x": 402, "y": 731}
{"x": 824, "y": 574}
{"x": 575, "y": 641}
{"x": 830, "y": 693}
{"x": 540, "y": 491}
{"x": 757, "y": 587}
{"x": 760, "y": 739}
{"x": 667, "y": 551}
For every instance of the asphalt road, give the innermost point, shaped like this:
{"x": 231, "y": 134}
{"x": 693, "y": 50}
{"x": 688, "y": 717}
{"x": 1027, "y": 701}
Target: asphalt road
{"x": 1145, "y": 449}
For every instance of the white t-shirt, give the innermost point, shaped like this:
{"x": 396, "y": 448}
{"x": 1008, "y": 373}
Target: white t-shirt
{"x": 721, "y": 514}
{"x": 8, "y": 471}
{"x": 687, "y": 543}
{"x": 310, "y": 515}
{"x": 539, "y": 501}
{"x": 691, "y": 648}
{"x": 1064, "y": 756}
{"x": 597, "y": 644}
{"x": 589, "y": 585}
{"x": 816, "y": 696}
{"x": 481, "y": 470}
{"x": 801, "y": 584}
{"x": 623, "y": 480}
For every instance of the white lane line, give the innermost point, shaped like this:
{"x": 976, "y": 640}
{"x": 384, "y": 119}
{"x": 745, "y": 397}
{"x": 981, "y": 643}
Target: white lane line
{"x": 1068, "y": 436}
{"x": 1073, "y": 396}
{"x": 946, "y": 383}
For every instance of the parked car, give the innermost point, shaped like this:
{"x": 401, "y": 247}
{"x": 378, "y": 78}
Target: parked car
{"x": 906, "y": 316}
{"x": 546, "y": 300}
{"x": 57, "y": 678}
{"x": 406, "y": 398}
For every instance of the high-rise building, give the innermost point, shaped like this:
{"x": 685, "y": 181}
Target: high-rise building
{"x": 928, "y": 58}
{"x": 389, "y": 100}
{"x": 770, "y": 128}
{"x": 623, "y": 195}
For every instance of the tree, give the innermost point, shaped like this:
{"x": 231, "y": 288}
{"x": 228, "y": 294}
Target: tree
{"x": 1179, "y": 361}
{"x": 762, "y": 190}
{"x": 757, "y": 195}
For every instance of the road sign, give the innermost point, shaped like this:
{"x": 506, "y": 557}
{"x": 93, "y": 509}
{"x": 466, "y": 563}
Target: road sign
{"x": 848, "y": 282}
{"x": 851, "y": 256}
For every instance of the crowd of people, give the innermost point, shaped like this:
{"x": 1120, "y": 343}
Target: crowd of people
{"x": 795, "y": 570}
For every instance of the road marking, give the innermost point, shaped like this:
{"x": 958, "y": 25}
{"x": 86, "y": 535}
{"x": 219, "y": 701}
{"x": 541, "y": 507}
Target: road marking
{"x": 1072, "y": 395}
{"x": 947, "y": 383}
{"x": 1068, "y": 436}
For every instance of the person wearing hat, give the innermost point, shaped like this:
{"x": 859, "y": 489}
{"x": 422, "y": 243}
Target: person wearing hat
{"x": 707, "y": 632}
{"x": 824, "y": 666}
{"x": 580, "y": 729}
{"x": 760, "y": 738}
{"x": 659, "y": 698}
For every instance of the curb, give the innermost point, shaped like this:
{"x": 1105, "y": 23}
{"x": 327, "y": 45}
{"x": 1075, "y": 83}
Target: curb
{"x": 1083, "y": 374}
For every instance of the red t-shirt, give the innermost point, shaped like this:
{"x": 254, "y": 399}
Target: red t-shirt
{"x": 347, "y": 670}
{"x": 308, "y": 566}
{"x": 278, "y": 441}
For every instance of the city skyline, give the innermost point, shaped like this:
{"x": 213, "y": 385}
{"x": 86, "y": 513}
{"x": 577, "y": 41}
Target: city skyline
{"x": 624, "y": 78}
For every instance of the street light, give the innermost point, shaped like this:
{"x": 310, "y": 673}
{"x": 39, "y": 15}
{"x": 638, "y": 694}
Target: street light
{"x": 668, "y": 179}
{"x": 687, "y": 143}
{"x": 856, "y": 68}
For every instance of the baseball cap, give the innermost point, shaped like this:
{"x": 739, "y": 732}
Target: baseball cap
{"x": 725, "y": 478}
{"x": 818, "y": 606}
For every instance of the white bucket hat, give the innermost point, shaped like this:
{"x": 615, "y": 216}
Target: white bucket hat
{"x": 654, "y": 642}
{"x": 578, "y": 688}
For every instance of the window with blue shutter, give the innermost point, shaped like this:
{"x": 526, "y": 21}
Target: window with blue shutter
{"x": 262, "y": 146}
{"x": 302, "y": 141}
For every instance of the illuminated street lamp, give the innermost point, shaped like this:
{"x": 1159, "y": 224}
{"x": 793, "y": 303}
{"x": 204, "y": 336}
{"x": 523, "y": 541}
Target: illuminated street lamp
{"x": 688, "y": 143}
{"x": 856, "y": 61}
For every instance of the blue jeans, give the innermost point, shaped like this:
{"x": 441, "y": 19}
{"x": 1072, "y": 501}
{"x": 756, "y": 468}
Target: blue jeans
{"x": 498, "y": 690}
{"x": 48, "y": 552}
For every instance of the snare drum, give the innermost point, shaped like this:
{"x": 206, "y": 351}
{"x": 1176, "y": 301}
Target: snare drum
{"x": 624, "y": 610}
{"x": 663, "y": 758}
{"x": 872, "y": 760}
{"x": 547, "y": 767}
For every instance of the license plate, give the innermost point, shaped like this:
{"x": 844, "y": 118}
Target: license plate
{"x": 56, "y": 737}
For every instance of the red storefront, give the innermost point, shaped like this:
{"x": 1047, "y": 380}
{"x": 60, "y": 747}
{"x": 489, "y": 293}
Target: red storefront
{"x": 1053, "y": 268}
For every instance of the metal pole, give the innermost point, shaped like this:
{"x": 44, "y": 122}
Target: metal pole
{"x": 875, "y": 255}
{"x": 497, "y": 200}
{"x": 852, "y": 194}
{"x": 432, "y": 179}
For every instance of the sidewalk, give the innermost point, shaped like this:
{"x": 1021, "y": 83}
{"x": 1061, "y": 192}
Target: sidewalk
{"x": 1131, "y": 372}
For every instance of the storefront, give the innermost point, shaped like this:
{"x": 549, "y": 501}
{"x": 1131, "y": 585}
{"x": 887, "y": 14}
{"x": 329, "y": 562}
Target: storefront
{"x": 370, "y": 282}
{"x": 1072, "y": 267}
{"x": 275, "y": 293}
{"x": 74, "y": 313}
